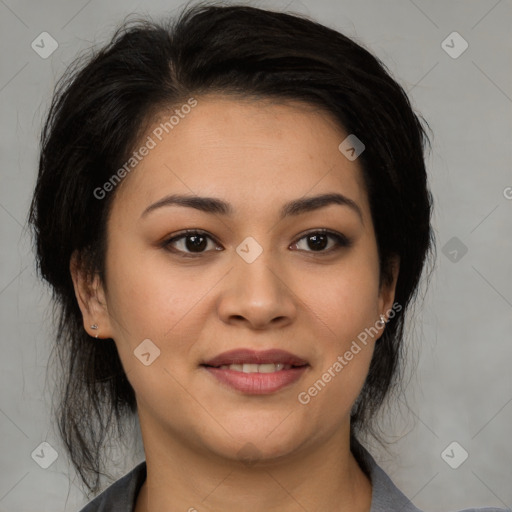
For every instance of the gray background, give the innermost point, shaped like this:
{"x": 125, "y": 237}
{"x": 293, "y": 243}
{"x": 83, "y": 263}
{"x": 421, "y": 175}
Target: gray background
{"x": 460, "y": 343}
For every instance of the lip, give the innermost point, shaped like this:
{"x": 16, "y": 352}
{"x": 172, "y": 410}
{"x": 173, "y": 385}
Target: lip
{"x": 256, "y": 383}
{"x": 246, "y": 356}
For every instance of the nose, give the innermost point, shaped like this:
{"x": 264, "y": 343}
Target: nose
{"x": 257, "y": 294}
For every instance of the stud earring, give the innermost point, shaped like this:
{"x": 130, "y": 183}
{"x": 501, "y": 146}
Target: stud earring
{"x": 382, "y": 320}
{"x": 94, "y": 326}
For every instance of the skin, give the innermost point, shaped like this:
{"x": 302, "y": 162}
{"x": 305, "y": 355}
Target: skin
{"x": 256, "y": 155}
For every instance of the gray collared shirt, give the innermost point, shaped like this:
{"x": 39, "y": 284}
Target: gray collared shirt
{"x": 121, "y": 496}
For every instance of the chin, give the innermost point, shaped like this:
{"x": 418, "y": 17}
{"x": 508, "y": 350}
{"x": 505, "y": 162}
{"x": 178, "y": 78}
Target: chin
{"x": 259, "y": 441}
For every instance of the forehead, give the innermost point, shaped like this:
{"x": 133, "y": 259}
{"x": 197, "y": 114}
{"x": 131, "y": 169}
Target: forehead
{"x": 256, "y": 154}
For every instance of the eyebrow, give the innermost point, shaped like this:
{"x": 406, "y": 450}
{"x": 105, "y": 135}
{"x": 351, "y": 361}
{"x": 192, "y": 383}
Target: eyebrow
{"x": 218, "y": 206}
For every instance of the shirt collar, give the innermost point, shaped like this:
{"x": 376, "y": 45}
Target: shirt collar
{"x": 385, "y": 495}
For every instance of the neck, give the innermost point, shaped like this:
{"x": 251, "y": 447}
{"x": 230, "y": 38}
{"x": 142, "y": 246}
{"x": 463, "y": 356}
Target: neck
{"x": 325, "y": 476}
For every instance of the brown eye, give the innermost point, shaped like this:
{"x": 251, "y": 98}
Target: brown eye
{"x": 195, "y": 243}
{"x": 189, "y": 242}
{"x": 318, "y": 241}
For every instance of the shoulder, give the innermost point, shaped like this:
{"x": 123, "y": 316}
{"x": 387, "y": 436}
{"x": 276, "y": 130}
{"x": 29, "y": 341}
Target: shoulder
{"x": 386, "y": 496}
{"x": 121, "y": 495}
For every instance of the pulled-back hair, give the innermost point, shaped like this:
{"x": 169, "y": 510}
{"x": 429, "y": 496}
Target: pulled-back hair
{"x": 104, "y": 103}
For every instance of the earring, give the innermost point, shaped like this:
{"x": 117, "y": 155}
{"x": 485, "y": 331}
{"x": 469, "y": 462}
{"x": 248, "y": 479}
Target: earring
{"x": 382, "y": 320}
{"x": 94, "y": 326}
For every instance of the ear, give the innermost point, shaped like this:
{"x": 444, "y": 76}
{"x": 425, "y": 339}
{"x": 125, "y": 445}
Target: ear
{"x": 90, "y": 294}
{"x": 388, "y": 287}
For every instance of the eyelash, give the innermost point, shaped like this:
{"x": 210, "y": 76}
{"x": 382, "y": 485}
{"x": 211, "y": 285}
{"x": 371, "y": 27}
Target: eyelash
{"x": 341, "y": 241}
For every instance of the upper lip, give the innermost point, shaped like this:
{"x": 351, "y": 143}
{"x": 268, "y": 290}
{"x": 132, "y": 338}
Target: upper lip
{"x": 246, "y": 356}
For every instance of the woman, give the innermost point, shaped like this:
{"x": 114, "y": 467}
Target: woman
{"x": 233, "y": 212}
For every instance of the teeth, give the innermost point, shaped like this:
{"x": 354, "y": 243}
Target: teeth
{"x": 249, "y": 368}
{"x": 256, "y": 368}
{"x": 269, "y": 367}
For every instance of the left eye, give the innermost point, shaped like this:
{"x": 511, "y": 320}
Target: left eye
{"x": 196, "y": 242}
{"x": 319, "y": 240}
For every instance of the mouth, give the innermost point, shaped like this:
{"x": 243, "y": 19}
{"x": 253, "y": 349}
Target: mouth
{"x": 257, "y": 373}
{"x": 255, "y": 368}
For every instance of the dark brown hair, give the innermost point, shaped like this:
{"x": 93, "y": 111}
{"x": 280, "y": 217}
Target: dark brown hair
{"x": 101, "y": 107}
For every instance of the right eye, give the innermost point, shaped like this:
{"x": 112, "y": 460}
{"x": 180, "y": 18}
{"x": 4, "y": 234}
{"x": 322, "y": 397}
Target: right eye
{"x": 189, "y": 242}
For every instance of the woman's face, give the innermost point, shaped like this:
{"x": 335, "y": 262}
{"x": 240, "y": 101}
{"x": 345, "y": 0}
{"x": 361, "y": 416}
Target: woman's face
{"x": 251, "y": 279}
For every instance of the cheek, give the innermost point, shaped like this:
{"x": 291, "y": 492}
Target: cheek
{"x": 347, "y": 316}
{"x": 344, "y": 299}
{"x": 344, "y": 308}
{"x": 148, "y": 295}
{"x": 150, "y": 299}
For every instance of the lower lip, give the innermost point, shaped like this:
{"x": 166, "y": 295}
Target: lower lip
{"x": 257, "y": 383}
